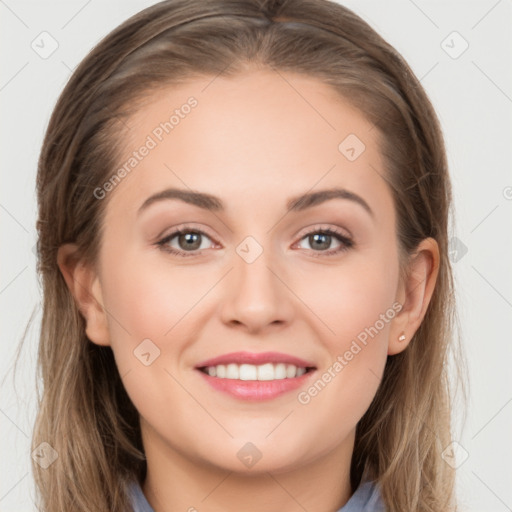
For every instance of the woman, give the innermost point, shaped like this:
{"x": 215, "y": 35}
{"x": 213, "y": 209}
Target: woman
{"x": 248, "y": 302}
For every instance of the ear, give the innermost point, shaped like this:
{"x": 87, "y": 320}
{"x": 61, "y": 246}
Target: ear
{"x": 414, "y": 294}
{"x": 84, "y": 285}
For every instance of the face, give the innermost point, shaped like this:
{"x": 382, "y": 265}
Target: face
{"x": 316, "y": 280}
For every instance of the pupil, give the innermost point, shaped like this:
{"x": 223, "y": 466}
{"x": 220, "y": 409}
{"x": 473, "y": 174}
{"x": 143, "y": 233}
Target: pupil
{"x": 191, "y": 239}
{"x": 322, "y": 245}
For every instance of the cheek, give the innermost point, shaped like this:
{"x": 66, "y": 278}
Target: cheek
{"x": 348, "y": 381}
{"x": 150, "y": 299}
{"x": 350, "y": 297}
{"x": 354, "y": 305}
{"x": 148, "y": 306}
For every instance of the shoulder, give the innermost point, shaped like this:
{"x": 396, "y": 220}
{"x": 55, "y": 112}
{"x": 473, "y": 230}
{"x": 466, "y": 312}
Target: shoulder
{"x": 366, "y": 498}
{"x": 137, "y": 499}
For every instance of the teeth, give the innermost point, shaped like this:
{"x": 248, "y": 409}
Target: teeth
{"x": 232, "y": 371}
{"x": 280, "y": 371}
{"x": 267, "y": 371}
{"x": 246, "y": 372}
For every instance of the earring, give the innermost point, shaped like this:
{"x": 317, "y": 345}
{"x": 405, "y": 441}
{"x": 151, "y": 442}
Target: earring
{"x": 401, "y": 337}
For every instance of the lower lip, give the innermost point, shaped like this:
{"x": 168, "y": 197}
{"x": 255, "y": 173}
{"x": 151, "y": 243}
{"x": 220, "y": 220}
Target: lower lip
{"x": 256, "y": 390}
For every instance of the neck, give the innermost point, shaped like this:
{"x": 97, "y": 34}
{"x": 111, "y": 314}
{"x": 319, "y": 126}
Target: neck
{"x": 175, "y": 481}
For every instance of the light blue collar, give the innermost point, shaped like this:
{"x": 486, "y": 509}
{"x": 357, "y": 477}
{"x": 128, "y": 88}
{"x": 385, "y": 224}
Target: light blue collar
{"x": 366, "y": 498}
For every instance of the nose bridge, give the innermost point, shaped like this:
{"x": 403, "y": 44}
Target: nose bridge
{"x": 257, "y": 297}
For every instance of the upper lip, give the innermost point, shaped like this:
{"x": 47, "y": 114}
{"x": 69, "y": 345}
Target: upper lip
{"x": 256, "y": 359}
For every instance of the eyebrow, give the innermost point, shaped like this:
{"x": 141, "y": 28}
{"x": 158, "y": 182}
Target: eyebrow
{"x": 296, "y": 204}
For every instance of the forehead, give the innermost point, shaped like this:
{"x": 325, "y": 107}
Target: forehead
{"x": 256, "y": 136}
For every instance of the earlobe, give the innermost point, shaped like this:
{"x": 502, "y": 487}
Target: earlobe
{"x": 415, "y": 294}
{"x": 84, "y": 285}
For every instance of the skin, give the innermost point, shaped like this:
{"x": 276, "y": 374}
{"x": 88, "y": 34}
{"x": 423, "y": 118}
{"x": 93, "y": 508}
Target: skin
{"x": 254, "y": 142}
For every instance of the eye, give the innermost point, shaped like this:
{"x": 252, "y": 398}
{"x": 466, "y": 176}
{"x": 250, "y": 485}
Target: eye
{"x": 188, "y": 241}
{"x": 191, "y": 241}
{"x": 321, "y": 240}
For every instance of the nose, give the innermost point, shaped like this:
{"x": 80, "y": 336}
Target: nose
{"x": 257, "y": 295}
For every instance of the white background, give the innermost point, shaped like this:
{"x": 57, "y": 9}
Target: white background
{"x": 473, "y": 97}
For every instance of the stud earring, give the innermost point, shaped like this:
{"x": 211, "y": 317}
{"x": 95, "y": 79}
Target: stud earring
{"x": 401, "y": 337}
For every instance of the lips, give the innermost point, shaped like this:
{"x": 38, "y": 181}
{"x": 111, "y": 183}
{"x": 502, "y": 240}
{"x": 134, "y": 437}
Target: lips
{"x": 256, "y": 359}
{"x": 256, "y": 376}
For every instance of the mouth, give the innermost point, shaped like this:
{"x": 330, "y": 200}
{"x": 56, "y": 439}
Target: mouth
{"x": 256, "y": 377}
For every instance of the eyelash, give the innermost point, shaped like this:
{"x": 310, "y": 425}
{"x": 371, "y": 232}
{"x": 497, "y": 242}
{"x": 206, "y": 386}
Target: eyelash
{"x": 346, "y": 242}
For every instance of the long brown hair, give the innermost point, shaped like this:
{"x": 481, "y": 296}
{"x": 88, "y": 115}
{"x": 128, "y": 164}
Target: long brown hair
{"x": 84, "y": 412}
